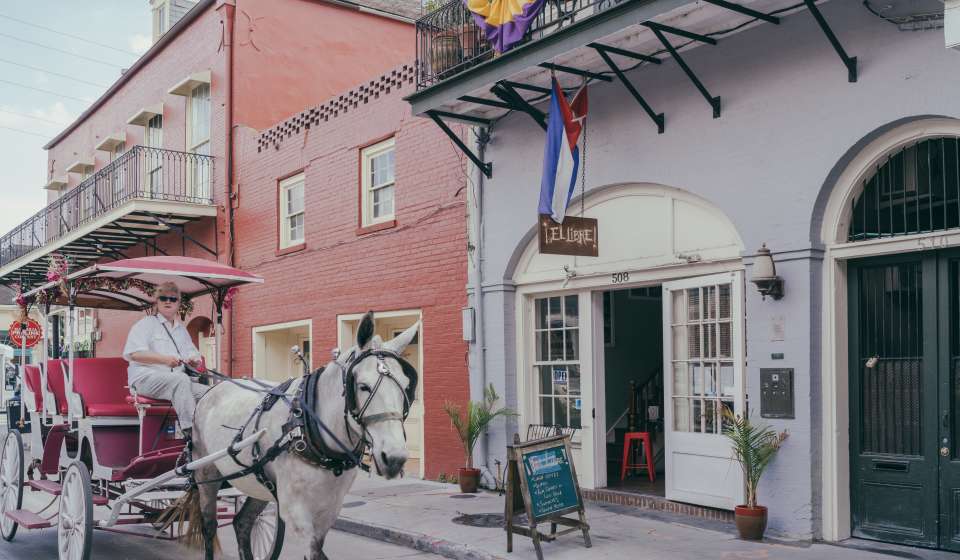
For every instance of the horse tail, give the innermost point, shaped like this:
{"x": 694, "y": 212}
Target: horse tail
{"x": 187, "y": 510}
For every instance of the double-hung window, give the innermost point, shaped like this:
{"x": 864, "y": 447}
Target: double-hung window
{"x": 557, "y": 360}
{"x": 291, "y": 211}
{"x": 377, "y": 183}
{"x": 118, "y": 173}
{"x": 153, "y": 140}
{"x": 198, "y": 141}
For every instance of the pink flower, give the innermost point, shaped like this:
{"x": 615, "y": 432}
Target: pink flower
{"x": 228, "y": 297}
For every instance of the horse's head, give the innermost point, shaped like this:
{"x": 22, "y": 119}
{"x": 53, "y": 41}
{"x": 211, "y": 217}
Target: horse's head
{"x": 381, "y": 387}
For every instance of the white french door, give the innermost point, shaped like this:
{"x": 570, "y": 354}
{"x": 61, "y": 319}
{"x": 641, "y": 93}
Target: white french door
{"x": 704, "y": 368}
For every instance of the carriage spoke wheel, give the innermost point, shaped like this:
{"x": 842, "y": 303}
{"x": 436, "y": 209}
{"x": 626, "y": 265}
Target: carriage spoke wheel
{"x": 266, "y": 536}
{"x": 75, "y": 529}
{"x": 11, "y": 482}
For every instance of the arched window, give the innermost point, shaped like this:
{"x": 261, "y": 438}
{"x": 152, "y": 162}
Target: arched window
{"x": 916, "y": 190}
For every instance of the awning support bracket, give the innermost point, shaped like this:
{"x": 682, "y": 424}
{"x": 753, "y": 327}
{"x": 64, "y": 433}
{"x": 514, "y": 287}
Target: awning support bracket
{"x": 745, "y": 11}
{"x": 657, "y": 118}
{"x": 183, "y": 233}
{"x": 506, "y": 92}
{"x": 849, "y": 61}
{"x": 147, "y": 242}
{"x": 485, "y": 167}
{"x": 575, "y": 71}
{"x": 713, "y": 101}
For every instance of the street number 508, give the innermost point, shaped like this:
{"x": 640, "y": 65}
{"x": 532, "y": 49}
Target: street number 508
{"x": 620, "y": 277}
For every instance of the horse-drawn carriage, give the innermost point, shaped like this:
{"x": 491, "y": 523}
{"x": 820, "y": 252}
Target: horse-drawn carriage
{"x": 94, "y": 444}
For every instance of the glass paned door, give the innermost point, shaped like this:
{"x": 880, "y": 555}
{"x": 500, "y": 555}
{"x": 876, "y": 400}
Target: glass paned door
{"x": 703, "y": 350}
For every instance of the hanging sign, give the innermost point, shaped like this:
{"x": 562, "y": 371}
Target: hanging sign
{"x": 33, "y": 333}
{"x": 575, "y": 236}
{"x": 542, "y": 482}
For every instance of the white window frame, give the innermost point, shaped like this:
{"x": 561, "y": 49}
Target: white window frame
{"x": 153, "y": 138}
{"x": 536, "y": 363}
{"x": 199, "y": 175}
{"x": 366, "y": 158}
{"x": 118, "y": 172}
{"x": 287, "y": 185}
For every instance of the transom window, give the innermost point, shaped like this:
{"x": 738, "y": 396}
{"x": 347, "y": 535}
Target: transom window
{"x": 377, "y": 182}
{"x": 703, "y": 369}
{"x": 557, "y": 361}
{"x": 916, "y": 190}
{"x": 291, "y": 211}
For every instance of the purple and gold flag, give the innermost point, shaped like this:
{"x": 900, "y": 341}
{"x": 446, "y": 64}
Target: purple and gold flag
{"x": 504, "y": 22}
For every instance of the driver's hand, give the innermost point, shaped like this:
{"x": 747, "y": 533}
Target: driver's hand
{"x": 173, "y": 361}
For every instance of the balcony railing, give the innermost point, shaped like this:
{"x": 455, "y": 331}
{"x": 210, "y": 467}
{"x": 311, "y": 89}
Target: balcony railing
{"x": 141, "y": 173}
{"x": 449, "y": 40}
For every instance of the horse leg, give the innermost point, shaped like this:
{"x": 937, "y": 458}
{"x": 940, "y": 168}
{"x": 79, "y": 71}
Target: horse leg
{"x": 243, "y": 524}
{"x": 208, "y": 508}
{"x": 316, "y": 549}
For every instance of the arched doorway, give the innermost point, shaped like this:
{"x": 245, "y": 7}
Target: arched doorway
{"x": 662, "y": 307}
{"x": 891, "y": 312}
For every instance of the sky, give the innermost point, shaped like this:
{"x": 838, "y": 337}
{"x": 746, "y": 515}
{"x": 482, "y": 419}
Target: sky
{"x": 43, "y": 90}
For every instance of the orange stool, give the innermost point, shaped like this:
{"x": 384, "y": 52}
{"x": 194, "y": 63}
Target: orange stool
{"x": 644, "y": 439}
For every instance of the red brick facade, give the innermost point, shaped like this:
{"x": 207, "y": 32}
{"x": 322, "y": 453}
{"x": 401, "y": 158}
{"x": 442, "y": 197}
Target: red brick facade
{"x": 419, "y": 263}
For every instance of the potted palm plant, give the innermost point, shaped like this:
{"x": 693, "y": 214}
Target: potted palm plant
{"x": 753, "y": 447}
{"x": 469, "y": 423}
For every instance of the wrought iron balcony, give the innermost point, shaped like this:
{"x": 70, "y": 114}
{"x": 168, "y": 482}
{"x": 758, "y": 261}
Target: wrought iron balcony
{"x": 449, "y": 41}
{"x": 142, "y": 173}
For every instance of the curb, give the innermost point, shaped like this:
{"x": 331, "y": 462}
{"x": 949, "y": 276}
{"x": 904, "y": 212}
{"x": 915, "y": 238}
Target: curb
{"x": 414, "y": 540}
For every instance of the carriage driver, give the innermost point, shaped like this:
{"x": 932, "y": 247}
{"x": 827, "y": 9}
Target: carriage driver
{"x": 156, "y": 348}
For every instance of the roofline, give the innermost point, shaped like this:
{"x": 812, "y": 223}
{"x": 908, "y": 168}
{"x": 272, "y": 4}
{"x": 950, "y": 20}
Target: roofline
{"x": 369, "y": 10}
{"x": 161, "y": 44}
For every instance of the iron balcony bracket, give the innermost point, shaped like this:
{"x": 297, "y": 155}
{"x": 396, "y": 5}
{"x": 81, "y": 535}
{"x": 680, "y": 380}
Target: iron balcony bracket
{"x": 745, "y": 11}
{"x": 659, "y": 27}
{"x": 657, "y": 118}
{"x": 183, "y": 233}
{"x": 506, "y": 92}
{"x": 849, "y": 61}
{"x": 528, "y": 87}
{"x": 486, "y": 167}
{"x": 485, "y": 101}
{"x": 147, "y": 242}
{"x": 713, "y": 101}
{"x": 626, "y": 53}
{"x": 575, "y": 71}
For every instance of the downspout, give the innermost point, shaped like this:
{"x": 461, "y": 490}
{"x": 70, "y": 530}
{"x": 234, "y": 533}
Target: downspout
{"x": 229, "y": 11}
{"x": 479, "y": 382}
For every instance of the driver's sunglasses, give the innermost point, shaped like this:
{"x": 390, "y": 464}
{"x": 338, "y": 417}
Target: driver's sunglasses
{"x": 170, "y": 299}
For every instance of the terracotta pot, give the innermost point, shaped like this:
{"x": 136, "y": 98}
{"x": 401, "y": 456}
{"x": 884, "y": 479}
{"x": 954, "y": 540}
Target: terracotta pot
{"x": 751, "y": 522}
{"x": 469, "y": 480}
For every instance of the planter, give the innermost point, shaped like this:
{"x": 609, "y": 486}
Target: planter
{"x": 445, "y": 52}
{"x": 751, "y": 522}
{"x": 470, "y": 480}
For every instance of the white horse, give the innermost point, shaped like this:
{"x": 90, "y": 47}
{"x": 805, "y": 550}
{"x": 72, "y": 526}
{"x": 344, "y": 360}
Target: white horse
{"x": 365, "y": 408}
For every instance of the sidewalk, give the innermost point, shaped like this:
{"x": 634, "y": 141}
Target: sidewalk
{"x": 419, "y": 514}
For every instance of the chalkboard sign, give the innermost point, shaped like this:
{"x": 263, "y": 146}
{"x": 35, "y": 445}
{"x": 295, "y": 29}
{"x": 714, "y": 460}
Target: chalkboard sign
{"x": 551, "y": 484}
{"x": 542, "y": 481}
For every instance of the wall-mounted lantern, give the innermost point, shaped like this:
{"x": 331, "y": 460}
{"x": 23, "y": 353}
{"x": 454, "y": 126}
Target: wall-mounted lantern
{"x": 765, "y": 275}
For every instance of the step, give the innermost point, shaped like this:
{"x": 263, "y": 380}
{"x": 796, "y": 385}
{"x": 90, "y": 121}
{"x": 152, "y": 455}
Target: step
{"x": 28, "y": 519}
{"x": 48, "y": 486}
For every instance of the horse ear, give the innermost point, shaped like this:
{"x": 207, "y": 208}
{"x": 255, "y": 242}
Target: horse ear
{"x": 402, "y": 340}
{"x": 365, "y": 330}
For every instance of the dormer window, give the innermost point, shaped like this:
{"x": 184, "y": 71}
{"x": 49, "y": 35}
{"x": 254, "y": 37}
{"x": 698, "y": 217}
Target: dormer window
{"x": 166, "y": 13}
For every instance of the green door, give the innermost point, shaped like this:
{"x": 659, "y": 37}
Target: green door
{"x": 904, "y": 386}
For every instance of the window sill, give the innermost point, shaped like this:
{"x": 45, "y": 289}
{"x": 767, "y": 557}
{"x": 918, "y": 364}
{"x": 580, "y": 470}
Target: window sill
{"x": 377, "y": 227}
{"x": 291, "y": 249}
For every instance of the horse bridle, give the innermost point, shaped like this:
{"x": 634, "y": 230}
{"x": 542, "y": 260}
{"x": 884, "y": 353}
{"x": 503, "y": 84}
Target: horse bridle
{"x": 358, "y": 412}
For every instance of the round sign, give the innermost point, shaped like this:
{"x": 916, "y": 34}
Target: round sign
{"x": 33, "y": 333}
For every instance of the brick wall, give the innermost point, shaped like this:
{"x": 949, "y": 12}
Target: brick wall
{"x": 418, "y": 264}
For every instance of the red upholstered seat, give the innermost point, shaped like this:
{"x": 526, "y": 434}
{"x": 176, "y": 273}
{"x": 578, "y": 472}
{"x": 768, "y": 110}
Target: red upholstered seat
{"x": 140, "y": 399}
{"x": 102, "y": 385}
{"x": 32, "y": 378}
{"x": 56, "y": 386}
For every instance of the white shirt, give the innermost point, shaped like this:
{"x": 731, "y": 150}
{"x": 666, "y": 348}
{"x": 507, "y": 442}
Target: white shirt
{"x": 149, "y": 335}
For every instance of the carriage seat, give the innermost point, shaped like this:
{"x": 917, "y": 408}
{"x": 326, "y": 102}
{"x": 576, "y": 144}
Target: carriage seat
{"x": 33, "y": 379}
{"x": 55, "y": 385}
{"x": 139, "y": 399}
{"x": 102, "y": 385}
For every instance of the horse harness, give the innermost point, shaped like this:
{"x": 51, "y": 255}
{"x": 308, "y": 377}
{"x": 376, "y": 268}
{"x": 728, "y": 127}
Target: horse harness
{"x": 302, "y": 433}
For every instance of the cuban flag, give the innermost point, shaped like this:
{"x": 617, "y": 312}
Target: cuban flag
{"x": 561, "y": 156}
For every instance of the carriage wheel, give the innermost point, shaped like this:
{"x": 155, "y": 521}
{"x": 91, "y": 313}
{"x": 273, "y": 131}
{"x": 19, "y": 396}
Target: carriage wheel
{"x": 266, "y": 536}
{"x": 11, "y": 482}
{"x": 75, "y": 530}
